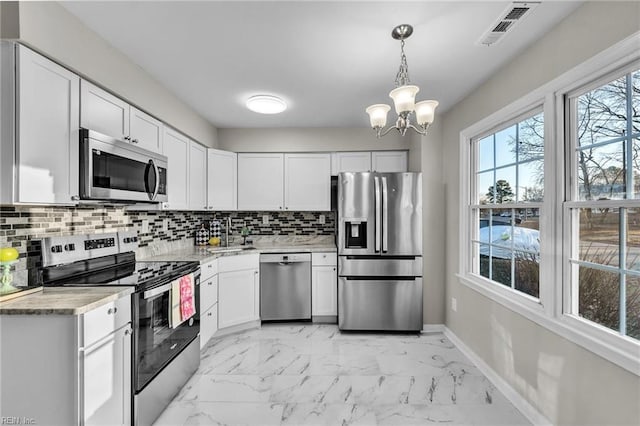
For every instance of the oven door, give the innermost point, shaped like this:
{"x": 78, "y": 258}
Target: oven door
{"x": 118, "y": 171}
{"x": 155, "y": 342}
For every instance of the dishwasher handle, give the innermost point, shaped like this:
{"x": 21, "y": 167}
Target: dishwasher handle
{"x": 285, "y": 259}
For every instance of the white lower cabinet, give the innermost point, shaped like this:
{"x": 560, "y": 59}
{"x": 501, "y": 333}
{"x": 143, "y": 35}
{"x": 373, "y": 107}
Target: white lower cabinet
{"x": 208, "y": 302}
{"x": 324, "y": 287}
{"x": 238, "y": 290}
{"x": 73, "y": 369}
{"x": 106, "y": 371}
{"x": 208, "y": 325}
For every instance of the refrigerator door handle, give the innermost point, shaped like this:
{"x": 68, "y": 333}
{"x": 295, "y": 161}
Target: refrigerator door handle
{"x": 385, "y": 216}
{"x": 378, "y": 220}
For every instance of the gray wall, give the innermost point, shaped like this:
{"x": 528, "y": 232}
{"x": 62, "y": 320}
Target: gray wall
{"x": 50, "y": 29}
{"x": 308, "y": 139}
{"x": 565, "y": 382}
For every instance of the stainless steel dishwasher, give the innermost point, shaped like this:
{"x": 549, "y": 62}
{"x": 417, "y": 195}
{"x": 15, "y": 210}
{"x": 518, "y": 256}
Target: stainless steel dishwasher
{"x": 285, "y": 286}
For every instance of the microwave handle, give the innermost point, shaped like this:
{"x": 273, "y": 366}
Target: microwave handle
{"x": 157, "y": 186}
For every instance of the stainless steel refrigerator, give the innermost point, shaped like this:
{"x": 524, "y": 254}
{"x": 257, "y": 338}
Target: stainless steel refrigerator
{"x": 380, "y": 251}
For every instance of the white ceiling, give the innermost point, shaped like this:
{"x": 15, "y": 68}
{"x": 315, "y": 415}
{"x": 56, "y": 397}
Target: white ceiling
{"x": 328, "y": 59}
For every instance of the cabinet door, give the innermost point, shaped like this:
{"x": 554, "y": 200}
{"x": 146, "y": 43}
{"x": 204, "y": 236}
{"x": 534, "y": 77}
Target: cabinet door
{"x": 260, "y": 182}
{"x": 307, "y": 182}
{"x": 176, "y": 149}
{"x": 103, "y": 112}
{"x": 145, "y": 131}
{"x": 389, "y": 161}
{"x": 197, "y": 176}
{"x": 208, "y": 325}
{"x": 208, "y": 293}
{"x": 237, "y": 297}
{"x": 324, "y": 290}
{"x": 222, "y": 180}
{"x": 353, "y": 162}
{"x": 47, "y": 157}
{"x": 106, "y": 380}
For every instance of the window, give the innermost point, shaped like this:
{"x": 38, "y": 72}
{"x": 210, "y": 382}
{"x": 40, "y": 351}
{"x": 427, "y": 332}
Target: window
{"x": 507, "y": 195}
{"x": 604, "y": 203}
{"x": 550, "y": 205}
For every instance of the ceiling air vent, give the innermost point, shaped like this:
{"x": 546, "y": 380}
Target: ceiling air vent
{"x": 506, "y": 22}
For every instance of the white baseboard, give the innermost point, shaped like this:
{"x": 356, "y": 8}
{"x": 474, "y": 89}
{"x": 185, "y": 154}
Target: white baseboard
{"x": 528, "y": 410}
{"x": 433, "y": 328}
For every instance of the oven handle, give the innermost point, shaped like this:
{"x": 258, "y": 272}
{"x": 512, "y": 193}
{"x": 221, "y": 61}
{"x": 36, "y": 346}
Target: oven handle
{"x": 156, "y": 291}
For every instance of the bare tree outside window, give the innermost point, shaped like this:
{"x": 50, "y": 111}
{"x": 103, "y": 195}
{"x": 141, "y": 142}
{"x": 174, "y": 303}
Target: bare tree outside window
{"x": 607, "y": 162}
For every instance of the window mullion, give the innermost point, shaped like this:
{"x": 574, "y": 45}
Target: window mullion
{"x": 622, "y": 261}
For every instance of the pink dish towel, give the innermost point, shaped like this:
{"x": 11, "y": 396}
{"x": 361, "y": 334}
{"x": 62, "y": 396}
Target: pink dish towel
{"x": 187, "y": 297}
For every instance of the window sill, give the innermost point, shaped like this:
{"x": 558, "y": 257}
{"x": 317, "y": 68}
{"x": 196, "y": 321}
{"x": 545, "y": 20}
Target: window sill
{"x": 624, "y": 353}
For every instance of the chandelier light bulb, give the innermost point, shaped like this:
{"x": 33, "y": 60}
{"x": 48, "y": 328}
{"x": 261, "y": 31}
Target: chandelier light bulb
{"x": 378, "y": 115}
{"x": 266, "y": 104}
{"x": 425, "y": 112}
{"x": 404, "y": 98}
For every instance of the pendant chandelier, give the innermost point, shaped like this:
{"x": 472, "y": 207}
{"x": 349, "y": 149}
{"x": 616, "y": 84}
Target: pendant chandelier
{"x": 404, "y": 98}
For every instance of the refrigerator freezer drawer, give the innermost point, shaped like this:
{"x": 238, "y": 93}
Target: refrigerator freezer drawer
{"x": 381, "y": 305}
{"x": 379, "y": 266}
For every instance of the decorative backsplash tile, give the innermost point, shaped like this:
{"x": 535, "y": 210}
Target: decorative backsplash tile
{"x": 21, "y": 226}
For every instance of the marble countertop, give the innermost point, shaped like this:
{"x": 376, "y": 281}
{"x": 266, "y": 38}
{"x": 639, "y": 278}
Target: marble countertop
{"x": 207, "y": 253}
{"x": 63, "y": 300}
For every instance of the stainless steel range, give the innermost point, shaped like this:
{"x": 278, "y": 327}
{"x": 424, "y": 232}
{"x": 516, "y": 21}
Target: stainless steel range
{"x": 164, "y": 355}
{"x": 380, "y": 251}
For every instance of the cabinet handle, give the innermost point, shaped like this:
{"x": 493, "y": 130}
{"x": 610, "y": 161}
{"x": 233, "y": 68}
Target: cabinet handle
{"x": 135, "y": 141}
{"x": 127, "y": 138}
{"x": 112, "y": 311}
{"x": 209, "y": 314}
{"x": 127, "y": 332}
{"x": 75, "y": 198}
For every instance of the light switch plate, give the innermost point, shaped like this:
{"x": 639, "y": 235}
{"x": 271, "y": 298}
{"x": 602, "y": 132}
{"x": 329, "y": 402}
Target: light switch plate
{"x": 144, "y": 226}
{"x": 265, "y": 219}
{"x": 454, "y": 304}
{"x": 321, "y": 219}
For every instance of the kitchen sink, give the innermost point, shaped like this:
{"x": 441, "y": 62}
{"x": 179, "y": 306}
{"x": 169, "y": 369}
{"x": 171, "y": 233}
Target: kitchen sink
{"x": 230, "y": 249}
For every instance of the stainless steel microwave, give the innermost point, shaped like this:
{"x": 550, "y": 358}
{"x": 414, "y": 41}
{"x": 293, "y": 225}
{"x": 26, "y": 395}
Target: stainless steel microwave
{"x": 114, "y": 170}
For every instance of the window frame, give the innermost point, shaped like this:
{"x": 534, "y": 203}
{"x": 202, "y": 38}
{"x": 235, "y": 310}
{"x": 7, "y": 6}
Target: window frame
{"x": 474, "y": 205}
{"x": 570, "y": 314}
{"x": 550, "y": 311}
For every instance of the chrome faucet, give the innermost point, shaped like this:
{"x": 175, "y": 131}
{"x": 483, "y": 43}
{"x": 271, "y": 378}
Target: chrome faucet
{"x": 227, "y": 231}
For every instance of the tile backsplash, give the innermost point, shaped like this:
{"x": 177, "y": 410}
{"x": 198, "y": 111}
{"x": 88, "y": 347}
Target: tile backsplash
{"x": 22, "y": 226}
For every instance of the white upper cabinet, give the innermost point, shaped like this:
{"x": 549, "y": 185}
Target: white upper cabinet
{"x": 222, "y": 180}
{"x": 260, "y": 181}
{"x": 47, "y": 137}
{"x": 176, "y": 149}
{"x": 145, "y": 130}
{"x": 105, "y": 113}
{"x": 197, "y": 184}
{"x": 351, "y": 162}
{"x": 307, "y": 182}
{"x": 389, "y": 161}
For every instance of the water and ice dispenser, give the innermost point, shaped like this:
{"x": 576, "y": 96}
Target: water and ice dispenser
{"x": 355, "y": 234}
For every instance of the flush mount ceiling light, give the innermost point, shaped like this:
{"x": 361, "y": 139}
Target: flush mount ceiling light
{"x": 404, "y": 98}
{"x": 266, "y": 104}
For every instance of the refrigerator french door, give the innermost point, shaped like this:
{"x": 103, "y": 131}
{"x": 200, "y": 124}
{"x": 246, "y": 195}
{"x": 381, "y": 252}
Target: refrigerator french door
{"x": 380, "y": 251}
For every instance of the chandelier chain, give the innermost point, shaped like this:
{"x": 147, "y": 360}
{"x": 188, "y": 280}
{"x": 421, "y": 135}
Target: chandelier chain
{"x": 402, "y": 78}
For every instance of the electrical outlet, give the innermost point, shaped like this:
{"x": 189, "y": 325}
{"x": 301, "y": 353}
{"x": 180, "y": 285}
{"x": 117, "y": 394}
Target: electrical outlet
{"x": 321, "y": 219}
{"x": 144, "y": 226}
{"x": 165, "y": 225}
{"x": 454, "y": 304}
{"x": 265, "y": 219}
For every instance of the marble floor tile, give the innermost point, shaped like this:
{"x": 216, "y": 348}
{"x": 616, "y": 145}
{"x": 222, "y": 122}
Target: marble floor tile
{"x": 308, "y": 374}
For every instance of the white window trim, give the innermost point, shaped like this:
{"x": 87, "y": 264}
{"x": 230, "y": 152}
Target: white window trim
{"x": 548, "y": 312}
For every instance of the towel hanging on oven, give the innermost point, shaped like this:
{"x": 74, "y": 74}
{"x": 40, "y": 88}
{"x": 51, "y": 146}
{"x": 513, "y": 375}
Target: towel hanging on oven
{"x": 182, "y": 300}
